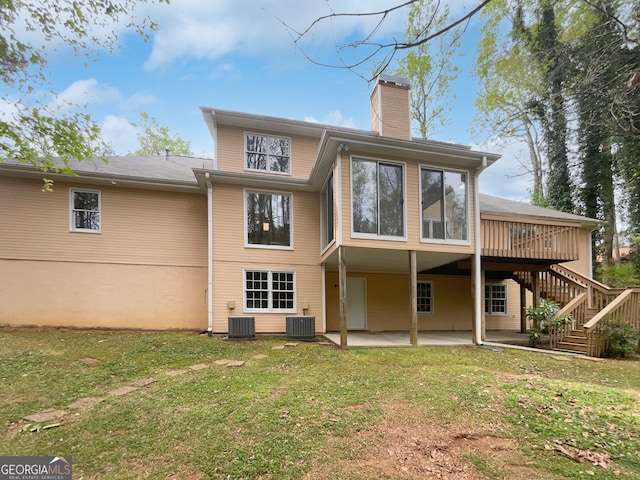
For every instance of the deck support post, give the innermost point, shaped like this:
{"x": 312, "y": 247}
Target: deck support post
{"x": 477, "y": 327}
{"x": 413, "y": 278}
{"x": 535, "y": 288}
{"x": 523, "y": 309}
{"x": 342, "y": 285}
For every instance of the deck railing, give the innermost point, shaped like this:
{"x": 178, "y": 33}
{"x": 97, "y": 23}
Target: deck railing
{"x": 624, "y": 309}
{"x": 577, "y": 309}
{"x": 528, "y": 240}
{"x": 600, "y": 295}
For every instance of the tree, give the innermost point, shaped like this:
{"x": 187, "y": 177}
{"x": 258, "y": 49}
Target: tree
{"x": 508, "y": 82}
{"x": 382, "y": 52}
{"x": 156, "y": 139}
{"x": 428, "y": 66}
{"x": 33, "y": 131}
{"x": 543, "y": 41}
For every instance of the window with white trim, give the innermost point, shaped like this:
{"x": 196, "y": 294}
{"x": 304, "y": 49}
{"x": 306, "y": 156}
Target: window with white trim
{"x": 84, "y": 210}
{"x": 268, "y": 218}
{"x": 267, "y": 153}
{"x": 269, "y": 291}
{"x": 444, "y": 212}
{"x": 327, "y": 226}
{"x": 495, "y": 299}
{"x": 425, "y": 297}
{"x": 377, "y": 198}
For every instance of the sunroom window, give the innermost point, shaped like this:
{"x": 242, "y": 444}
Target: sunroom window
{"x": 444, "y": 205}
{"x": 267, "y": 153}
{"x": 377, "y": 198}
{"x": 327, "y": 226}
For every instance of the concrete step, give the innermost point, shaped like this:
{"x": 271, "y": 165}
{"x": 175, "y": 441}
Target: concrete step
{"x": 572, "y": 347}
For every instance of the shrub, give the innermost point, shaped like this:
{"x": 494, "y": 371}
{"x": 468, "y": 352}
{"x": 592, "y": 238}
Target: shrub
{"x": 622, "y": 339}
{"x": 543, "y": 319}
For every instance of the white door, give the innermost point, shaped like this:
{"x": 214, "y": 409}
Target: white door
{"x": 356, "y": 303}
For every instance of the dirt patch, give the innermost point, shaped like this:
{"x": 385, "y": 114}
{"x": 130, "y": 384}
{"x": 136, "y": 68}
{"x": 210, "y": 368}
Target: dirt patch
{"x": 90, "y": 361}
{"x": 406, "y": 446}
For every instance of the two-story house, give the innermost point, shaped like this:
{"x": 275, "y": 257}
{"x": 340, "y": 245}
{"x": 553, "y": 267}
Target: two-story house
{"x": 360, "y": 230}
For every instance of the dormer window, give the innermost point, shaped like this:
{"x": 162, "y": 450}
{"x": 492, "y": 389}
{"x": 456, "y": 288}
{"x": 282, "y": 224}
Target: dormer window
{"x": 267, "y": 153}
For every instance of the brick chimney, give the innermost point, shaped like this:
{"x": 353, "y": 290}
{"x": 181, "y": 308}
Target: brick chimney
{"x": 390, "y": 107}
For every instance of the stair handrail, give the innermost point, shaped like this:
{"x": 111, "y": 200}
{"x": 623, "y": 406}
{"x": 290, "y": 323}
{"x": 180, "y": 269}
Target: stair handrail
{"x": 592, "y": 285}
{"x": 575, "y": 309}
{"x": 595, "y": 342}
{"x": 578, "y": 277}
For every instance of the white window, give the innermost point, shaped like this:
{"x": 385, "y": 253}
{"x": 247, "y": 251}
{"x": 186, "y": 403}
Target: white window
{"x": 495, "y": 299}
{"x": 444, "y": 213}
{"x": 269, "y": 291}
{"x": 425, "y": 297}
{"x": 377, "y": 199}
{"x": 84, "y": 210}
{"x": 268, "y": 219}
{"x": 327, "y": 225}
{"x": 267, "y": 153}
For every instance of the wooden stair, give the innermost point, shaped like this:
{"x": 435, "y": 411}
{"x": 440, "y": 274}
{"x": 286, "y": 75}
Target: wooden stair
{"x": 575, "y": 342}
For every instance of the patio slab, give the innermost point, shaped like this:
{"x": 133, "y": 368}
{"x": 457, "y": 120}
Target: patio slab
{"x": 402, "y": 339}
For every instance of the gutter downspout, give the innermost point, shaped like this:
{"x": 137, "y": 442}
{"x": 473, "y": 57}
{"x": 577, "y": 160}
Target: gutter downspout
{"x": 209, "y": 255}
{"x": 477, "y": 264}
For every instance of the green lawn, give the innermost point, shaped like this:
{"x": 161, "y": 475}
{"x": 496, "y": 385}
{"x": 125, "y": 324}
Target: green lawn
{"x": 312, "y": 411}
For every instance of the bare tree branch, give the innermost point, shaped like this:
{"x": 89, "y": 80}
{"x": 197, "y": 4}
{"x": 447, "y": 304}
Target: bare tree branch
{"x": 392, "y": 46}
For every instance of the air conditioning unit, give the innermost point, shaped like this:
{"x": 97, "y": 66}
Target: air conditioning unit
{"x": 242, "y": 328}
{"x": 301, "y": 328}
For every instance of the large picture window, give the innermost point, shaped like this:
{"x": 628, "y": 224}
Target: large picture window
{"x": 327, "y": 225}
{"x": 267, "y": 153}
{"x": 444, "y": 213}
{"x": 84, "y": 211}
{"x": 268, "y": 219}
{"x": 495, "y": 299}
{"x": 377, "y": 198}
{"x": 266, "y": 290}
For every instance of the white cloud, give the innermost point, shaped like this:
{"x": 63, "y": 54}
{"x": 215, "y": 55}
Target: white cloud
{"x": 84, "y": 92}
{"x": 334, "y": 118}
{"x": 507, "y": 178}
{"x": 119, "y": 132}
{"x": 202, "y": 29}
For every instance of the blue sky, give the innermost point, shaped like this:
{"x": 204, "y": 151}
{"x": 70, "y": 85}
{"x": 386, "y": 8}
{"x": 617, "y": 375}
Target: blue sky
{"x": 237, "y": 55}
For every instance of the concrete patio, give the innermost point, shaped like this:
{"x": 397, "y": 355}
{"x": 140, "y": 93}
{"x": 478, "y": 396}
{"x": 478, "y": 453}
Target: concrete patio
{"x": 401, "y": 339}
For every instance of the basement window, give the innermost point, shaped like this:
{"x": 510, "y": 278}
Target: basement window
{"x": 269, "y": 291}
{"x": 425, "y": 297}
{"x": 495, "y": 299}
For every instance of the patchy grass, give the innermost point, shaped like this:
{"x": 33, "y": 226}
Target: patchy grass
{"x": 316, "y": 412}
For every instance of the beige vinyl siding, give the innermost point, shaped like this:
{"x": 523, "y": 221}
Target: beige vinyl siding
{"x": 510, "y": 321}
{"x": 582, "y": 264}
{"x": 389, "y": 308}
{"x": 230, "y": 151}
{"x": 390, "y": 111}
{"x": 228, "y": 283}
{"x": 231, "y": 258}
{"x": 412, "y": 208}
{"x": 100, "y": 295}
{"x": 143, "y": 227}
{"x": 229, "y": 237}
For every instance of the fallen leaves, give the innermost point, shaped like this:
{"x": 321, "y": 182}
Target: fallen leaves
{"x": 597, "y": 459}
